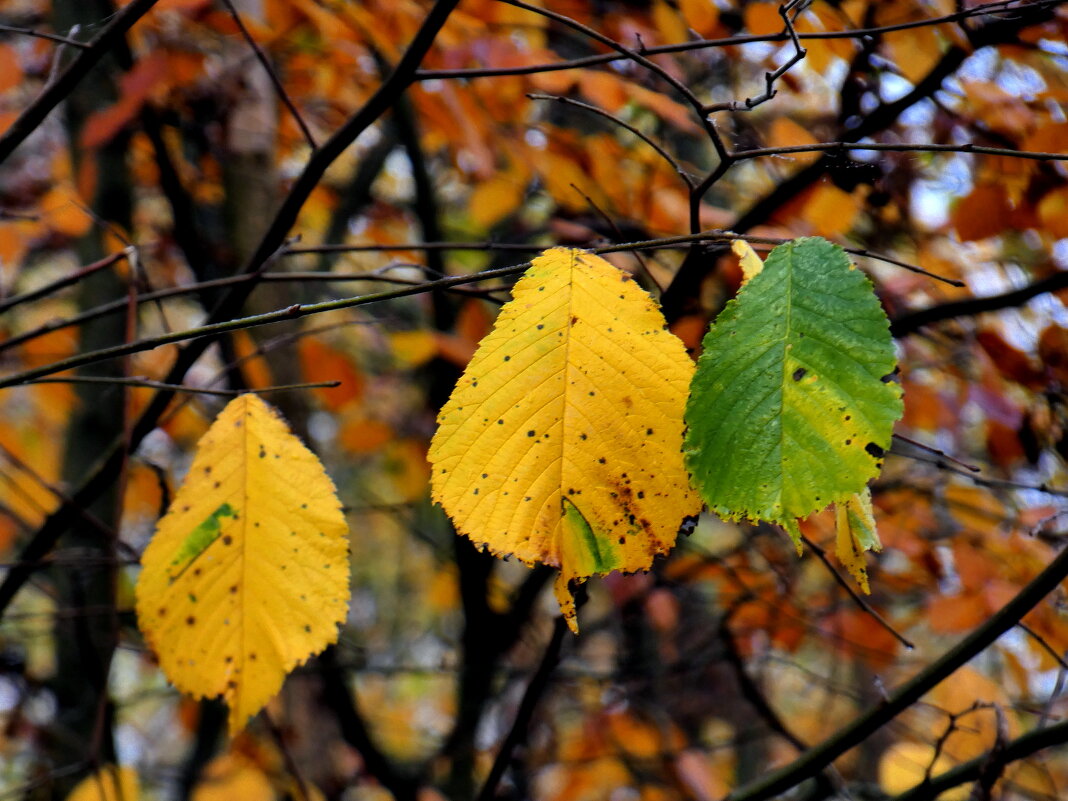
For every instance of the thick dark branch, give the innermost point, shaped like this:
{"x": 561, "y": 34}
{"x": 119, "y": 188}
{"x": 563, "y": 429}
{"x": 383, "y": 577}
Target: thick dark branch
{"x": 909, "y": 323}
{"x": 64, "y": 84}
{"x": 816, "y": 759}
{"x": 377, "y": 105}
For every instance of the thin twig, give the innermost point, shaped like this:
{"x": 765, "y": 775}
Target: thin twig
{"x": 787, "y": 11}
{"x": 858, "y": 599}
{"x": 139, "y": 381}
{"x": 902, "y": 147}
{"x": 612, "y": 224}
{"x": 729, "y": 41}
{"x": 65, "y": 281}
{"x": 638, "y": 58}
{"x": 52, "y": 37}
{"x": 277, "y": 81}
{"x": 982, "y": 481}
{"x": 1034, "y": 635}
{"x": 686, "y": 177}
{"x": 936, "y": 452}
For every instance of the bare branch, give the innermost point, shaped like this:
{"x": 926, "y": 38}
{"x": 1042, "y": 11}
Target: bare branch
{"x": 686, "y": 177}
{"x": 277, "y": 81}
{"x": 852, "y": 734}
{"x": 987, "y": 9}
{"x": 52, "y": 37}
{"x": 34, "y": 114}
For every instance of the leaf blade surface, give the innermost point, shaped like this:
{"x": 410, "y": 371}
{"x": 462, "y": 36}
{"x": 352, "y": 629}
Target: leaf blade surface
{"x": 562, "y": 442}
{"x": 247, "y": 574}
{"x": 792, "y": 405}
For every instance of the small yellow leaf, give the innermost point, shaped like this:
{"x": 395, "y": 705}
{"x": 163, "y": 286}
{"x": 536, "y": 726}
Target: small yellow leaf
{"x": 748, "y": 259}
{"x": 562, "y": 442}
{"x": 855, "y": 528}
{"x": 248, "y": 572}
{"x": 234, "y": 776}
{"x": 111, "y": 783}
{"x": 413, "y": 348}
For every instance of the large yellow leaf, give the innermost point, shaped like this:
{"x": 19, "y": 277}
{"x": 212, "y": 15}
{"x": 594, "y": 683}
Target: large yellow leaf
{"x": 562, "y": 442}
{"x": 248, "y": 572}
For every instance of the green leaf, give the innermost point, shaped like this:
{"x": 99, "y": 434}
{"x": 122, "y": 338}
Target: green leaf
{"x": 792, "y": 404}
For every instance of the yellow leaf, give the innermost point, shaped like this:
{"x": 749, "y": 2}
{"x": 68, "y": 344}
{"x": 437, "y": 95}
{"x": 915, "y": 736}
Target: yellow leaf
{"x": 495, "y": 199}
{"x": 830, "y": 211}
{"x": 904, "y": 765}
{"x": 233, "y": 776}
{"x": 747, "y": 258}
{"x": 413, "y": 348}
{"x": 248, "y": 573}
{"x": 562, "y": 442}
{"x": 111, "y": 783}
{"x": 855, "y": 528}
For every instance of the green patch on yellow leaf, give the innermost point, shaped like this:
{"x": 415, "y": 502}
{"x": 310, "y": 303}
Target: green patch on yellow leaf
{"x": 562, "y": 442}
{"x": 248, "y": 572}
{"x": 199, "y": 539}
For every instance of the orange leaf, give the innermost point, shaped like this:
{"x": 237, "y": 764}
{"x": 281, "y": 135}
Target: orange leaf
{"x": 361, "y": 435}
{"x": 830, "y": 211}
{"x": 10, "y": 69}
{"x": 983, "y": 212}
{"x": 954, "y": 613}
{"x": 702, "y": 16}
{"x": 322, "y": 362}
{"x": 1053, "y": 212}
{"x": 763, "y": 18}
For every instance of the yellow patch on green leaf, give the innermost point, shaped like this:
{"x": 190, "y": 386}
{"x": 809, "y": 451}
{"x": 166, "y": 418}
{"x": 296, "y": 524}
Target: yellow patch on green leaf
{"x": 562, "y": 442}
{"x": 750, "y": 262}
{"x": 248, "y": 572}
{"x": 855, "y": 534}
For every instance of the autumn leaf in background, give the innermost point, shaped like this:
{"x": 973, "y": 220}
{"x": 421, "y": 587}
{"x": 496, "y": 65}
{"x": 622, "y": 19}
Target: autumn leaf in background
{"x": 110, "y": 783}
{"x": 562, "y": 442}
{"x": 248, "y": 572}
{"x": 792, "y": 404}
